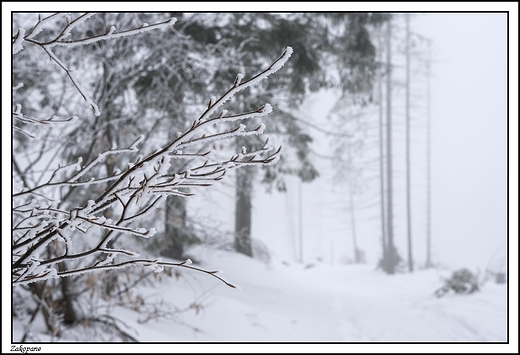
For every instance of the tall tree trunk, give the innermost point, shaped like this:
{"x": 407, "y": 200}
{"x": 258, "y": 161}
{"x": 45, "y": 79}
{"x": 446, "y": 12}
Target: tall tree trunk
{"x": 381, "y": 152}
{"x": 175, "y": 230}
{"x": 391, "y": 256}
{"x": 70, "y": 315}
{"x": 300, "y": 222}
{"x": 428, "y": 163}
{"x": 176, "y": 234}
{"x": 408, "y": 189}
{"x": 358, "y": 255}
{"x": 243, "y": 210}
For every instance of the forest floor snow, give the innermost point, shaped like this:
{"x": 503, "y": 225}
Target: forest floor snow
{"x": 281, "y": 302}
{"x": 278, "y": 301}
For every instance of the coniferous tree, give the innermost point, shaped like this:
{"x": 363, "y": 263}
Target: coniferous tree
{"x": 321, "y": 41}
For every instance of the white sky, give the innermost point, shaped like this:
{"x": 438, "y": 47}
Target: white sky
{"x": 469, "y": 131}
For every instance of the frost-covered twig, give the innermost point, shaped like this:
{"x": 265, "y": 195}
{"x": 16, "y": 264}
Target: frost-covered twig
{"x": 85, "y": 97}
{"x": 204, "y": 120}
{"x": 18, "y": 115}
{"x": 132, "y": 193}
{"x": 156, "y": 265}
{"x": 81, "y": 170}
{"x": 111, "y": 33}
{"x": 41, "y": 22}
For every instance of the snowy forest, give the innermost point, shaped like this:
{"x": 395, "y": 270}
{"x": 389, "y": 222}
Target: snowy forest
{"x": 246, "y": 177}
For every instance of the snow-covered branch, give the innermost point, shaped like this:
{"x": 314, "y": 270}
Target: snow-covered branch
{"x": 44, "y": 231}
{"x": 110, "y": 33}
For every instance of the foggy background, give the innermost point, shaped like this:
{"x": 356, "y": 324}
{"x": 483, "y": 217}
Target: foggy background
{"x": 468, "y": 162}
{"x": 469, "y": 134}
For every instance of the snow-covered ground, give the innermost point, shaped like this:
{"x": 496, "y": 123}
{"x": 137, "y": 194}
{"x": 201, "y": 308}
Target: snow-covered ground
{"x": 282, "y": 302}
{"x": 317, "y": 302}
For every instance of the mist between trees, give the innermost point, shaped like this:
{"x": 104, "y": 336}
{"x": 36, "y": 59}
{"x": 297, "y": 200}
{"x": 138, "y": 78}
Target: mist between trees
{"x": 119, "y": 117}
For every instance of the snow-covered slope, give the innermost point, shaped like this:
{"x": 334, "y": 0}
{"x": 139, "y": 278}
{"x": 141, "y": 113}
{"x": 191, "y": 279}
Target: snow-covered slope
{"x": 317, "y": 302}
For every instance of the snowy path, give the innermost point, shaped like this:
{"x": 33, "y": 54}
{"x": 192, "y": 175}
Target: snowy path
{"x": 328, "y": 303}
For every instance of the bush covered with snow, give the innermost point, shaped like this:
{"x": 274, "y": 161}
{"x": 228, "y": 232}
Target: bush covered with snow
{"x": 40, "y": 221}
{"x": 462, "y": 281}
{"x": 74, "y": 217}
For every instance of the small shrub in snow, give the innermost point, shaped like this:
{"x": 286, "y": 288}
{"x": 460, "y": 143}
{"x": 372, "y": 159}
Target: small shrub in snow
{"x": 462, "y": 281}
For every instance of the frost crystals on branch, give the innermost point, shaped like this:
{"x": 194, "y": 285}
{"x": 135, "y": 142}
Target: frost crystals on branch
{"x": 47, "y": 46}
{"x": 40, "y": 223}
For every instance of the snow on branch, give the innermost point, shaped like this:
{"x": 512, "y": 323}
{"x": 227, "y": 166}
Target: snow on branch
{"x": 238, "y": 85}
{"x": 44, "y": 233}
{"x": 17, "y": 41}
{"x": 110, "y": 33}
{"x": 41, "y": 22}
